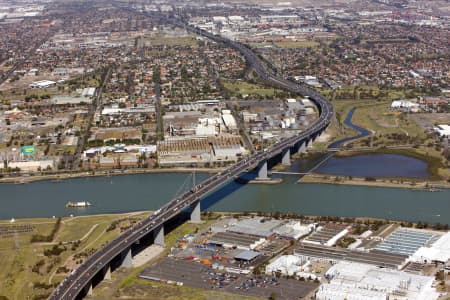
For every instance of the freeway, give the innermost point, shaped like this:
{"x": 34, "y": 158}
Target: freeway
{"x": 82, "y": 277}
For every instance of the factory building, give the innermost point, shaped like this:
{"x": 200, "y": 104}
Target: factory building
{"x": 42, "y": 84}
{"x": 357, "y": 281}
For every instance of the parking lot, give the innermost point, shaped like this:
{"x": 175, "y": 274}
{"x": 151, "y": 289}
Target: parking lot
{"x": 199, "y": 275}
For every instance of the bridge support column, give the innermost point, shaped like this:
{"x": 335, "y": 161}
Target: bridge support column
{"x": 88, "y": 289}
{"x": 127, "y": 261}
{"x": 322, "y": 133}
{"x": 262, "y": 171}
{"x": 286, "y": 157}
{"x": 302, "y": 148}
{"x": 195, "y": 214}
{"x": 159, "y": 236}
{"x": 309, "y": 143}
{"x": 108, "y": 273}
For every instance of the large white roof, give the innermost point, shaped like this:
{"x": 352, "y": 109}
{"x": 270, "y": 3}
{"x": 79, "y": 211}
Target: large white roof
{"x": 443, "y": 130}
{"x": 366, "y": 282}
{"x": 439, "y": 251}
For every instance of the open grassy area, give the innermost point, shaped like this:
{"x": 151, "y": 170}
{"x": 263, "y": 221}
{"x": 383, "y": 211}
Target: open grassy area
{"x": 337, "y": 130}
{"x": 169, "y": 41}
{"x": 380, "y": 119}
{"x": 30, "y": 269}
{"x": 363, "y": 92}
{"x": 243, "y": 89}
{"x": 390, "y": 128}
{"x": 297, "y": 44}
{"x": 287, "y": 44}
{"x": 377, "y": 117}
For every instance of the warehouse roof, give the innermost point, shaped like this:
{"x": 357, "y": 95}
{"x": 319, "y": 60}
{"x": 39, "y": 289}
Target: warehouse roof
{"x": 247, "y": 255}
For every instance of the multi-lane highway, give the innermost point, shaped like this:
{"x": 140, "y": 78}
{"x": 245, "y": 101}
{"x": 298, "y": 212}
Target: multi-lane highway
{"x": 82, "y": 277}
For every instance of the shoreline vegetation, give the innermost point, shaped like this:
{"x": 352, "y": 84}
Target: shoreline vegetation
{"x": 434, "y": 164}
{"x": 103, "y": 173}
{"x": 403, "y": 183}
{"x": 435, "y": 167}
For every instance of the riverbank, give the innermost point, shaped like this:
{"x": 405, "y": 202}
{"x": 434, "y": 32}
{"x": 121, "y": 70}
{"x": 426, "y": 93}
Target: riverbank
{"x": 103, "y": 173}
{"x": 405, "y": 183}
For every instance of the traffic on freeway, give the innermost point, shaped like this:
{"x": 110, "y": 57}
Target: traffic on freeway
{"x": 80, "y": 278}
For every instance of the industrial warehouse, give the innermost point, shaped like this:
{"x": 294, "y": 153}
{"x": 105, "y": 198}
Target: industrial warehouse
{"x": 233, "y": 252}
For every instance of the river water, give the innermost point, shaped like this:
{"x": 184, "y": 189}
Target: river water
{"x": 376, "y": 165}
{"x": 371, "y": 165}
{"x": 149, "y": 191}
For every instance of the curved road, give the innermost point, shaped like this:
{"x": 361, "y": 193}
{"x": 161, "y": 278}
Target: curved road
{"x": 70, "y": 288}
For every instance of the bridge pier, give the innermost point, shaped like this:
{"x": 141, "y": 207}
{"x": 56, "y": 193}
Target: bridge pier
{"x": 159, "y": 236}
{"x": 195, "y": 214}
{"x": 309, "y": 143}
{"x": 262, "y": 171}
{"x": 286, "y": 157}
{"x": 302, "y": 148}
{"x": 88, "y": 289}
{"x": 127, "y": 260}
{"x": 322, "y": 133}
{"x": 108, "y": 273}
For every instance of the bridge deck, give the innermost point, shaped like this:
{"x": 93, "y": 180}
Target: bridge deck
{"x": 82, "y": 277}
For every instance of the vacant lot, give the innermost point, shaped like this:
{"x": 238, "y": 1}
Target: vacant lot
{"x": 31, "y": 269}
{"x": 428, "y": 121}
{"x": 244, "y": 89}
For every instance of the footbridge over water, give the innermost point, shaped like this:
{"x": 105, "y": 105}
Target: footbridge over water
{"x": 120, "y": 251}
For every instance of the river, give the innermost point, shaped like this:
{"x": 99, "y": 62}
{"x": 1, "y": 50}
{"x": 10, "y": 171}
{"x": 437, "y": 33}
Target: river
{"x": 127, "y": 193}
{"x": 376, "y": 165}
{"x": 370, "y": 165}
{"x": 149, "y": 191}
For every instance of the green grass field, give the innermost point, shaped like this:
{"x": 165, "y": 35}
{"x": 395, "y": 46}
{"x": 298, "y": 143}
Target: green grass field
{"x": 168, "y": 41}
{"x": 287, "y": 44}
{"x": 297, "y": 44}
{"x": 236, "y": 88}
{"x": 24, "y": 263}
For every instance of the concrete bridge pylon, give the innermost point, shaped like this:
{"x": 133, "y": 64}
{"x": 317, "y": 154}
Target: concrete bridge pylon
{"x": 159, "y": 236}
{"x": 262, "y": 171}
{"x": 286, "y": 157}
{"x": 195, "y": 214}
{"x": 127, "y": 261}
